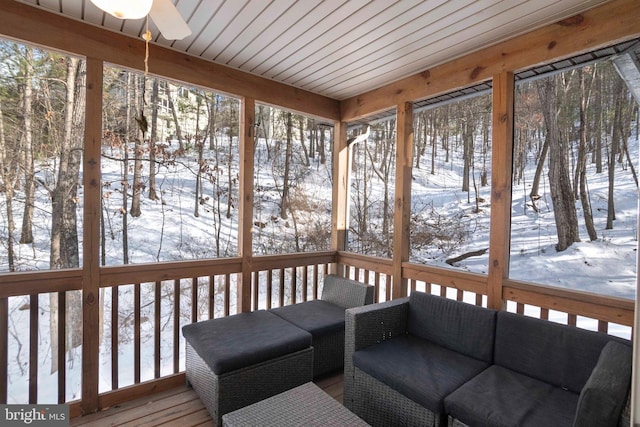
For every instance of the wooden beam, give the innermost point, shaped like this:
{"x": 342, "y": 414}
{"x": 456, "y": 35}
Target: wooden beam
{"x": 501, "y": 167}
{"x": 611, "y": 23}
{"x": 402, "y": 211}
{"x": 91, "y": 234}
{"x": 37, "y": 26}
{"x": 340, "y": 195}
{"x": 245, "y": 210}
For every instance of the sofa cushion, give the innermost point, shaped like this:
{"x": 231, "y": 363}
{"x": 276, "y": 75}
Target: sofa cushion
{"x": 346, "y": 293}
{"x": 557, "y": 354}
{"x": 604, "y": 395}
{"x": 241, "y": 340}
{"x": 458, "y": 326}
{"x": 501, "y": 397}
{"x": 421, "y": 370}
{"x": 317, "y": 316}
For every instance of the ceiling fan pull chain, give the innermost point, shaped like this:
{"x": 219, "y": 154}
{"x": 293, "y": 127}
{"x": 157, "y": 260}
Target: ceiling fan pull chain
{"x": 147, "y": 37}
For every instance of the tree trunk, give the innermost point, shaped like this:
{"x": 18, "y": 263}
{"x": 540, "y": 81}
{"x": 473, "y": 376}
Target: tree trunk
{"x": 613, "y": 152}
{"x": 284, "y": 204}
{"x": 200, "y": 147}
{"x": 153, "y": 195}
{"x": 581, "y": 167}
{"x": 64, "y": 232}
{"x": 27, "y": 150}
{"x": 597, "y": 131}
{"x": 8, "y": 174}
{"x": 564, "y": 209}
{"x": 174, "y": 114}
{"x": 321, "y": 148}
{"x": 304, "y": 147}
{"x": 138, "y": 139}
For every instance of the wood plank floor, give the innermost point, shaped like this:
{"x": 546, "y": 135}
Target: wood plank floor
{"x": 176, "y": 407}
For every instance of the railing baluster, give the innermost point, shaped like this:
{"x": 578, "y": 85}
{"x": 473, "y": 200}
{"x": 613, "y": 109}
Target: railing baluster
{"x": 255, "y": 290}
{"x": 4, "y": 348}
{"x": 460, "y": 295}
{"x": 136, "y": 333}
{"x": 544, "y": 313}
{"x": 114, "y": 337}
{"x": 294, "y": 284}
{"x": 33, "y": 348}
{"x": 281, "y": 296}
{"x": 479, "y": 300}
{"x": 156, "y": 330}
{"x": 194, "y": 299}
{"x": 387, "y": 281}
{"x": 316, "y": 271}
{"x": 305, "y": 283}
{"x": 227, "y": 292}
{"x": 603, "y": 326}
{"x": 269, "y": 287}
{"x": 572, "y": 319}
{"x": 176, "y": 326}
{"x": 212, "y": 296}
{"x": 376, "y": 287}
{"x": 62, "y": 347}
{"x": 519, "y": 308}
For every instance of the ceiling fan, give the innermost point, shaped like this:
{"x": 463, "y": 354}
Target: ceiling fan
{"x": 163, "y": 13}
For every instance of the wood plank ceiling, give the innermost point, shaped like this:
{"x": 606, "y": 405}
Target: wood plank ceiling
{"x": 336, "y": 48}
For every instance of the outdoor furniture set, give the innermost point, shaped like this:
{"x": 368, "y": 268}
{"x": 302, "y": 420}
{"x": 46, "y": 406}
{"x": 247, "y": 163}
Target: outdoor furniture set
{"x": 235, "y": 361}
{"x": 427, "y": 360}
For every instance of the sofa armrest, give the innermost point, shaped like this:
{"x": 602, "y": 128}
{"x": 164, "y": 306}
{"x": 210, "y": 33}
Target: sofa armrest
{"x": 346, "y": 293}
{"x": 606, "y": 391}
{"x": 368, "y": 325}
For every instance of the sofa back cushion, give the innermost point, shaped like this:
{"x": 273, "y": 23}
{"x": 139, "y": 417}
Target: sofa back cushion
{"x": 455, "y": 325}
{"x": 346, "y": 293}
{"x": 557, "y": 354}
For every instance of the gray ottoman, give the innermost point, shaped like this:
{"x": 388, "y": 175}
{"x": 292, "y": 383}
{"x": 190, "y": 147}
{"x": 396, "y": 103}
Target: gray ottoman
{"x": 234, "y": 361}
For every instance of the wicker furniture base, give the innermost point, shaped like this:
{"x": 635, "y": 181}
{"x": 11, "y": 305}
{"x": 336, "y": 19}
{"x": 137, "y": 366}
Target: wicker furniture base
{"x": 306, "y": 405}
{"x": 233, "y": 390}
{"x": 380, "y": 405}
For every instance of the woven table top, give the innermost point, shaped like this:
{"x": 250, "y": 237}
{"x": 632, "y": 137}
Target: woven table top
{"x": 305, "y": 405}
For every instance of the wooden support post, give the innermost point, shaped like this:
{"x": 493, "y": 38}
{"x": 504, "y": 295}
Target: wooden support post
{"x": 402, "y": 211}
{"x": 91, "y": 237}
{"x": 340, "y": 197}
{"x": 501, "y": 167}
{"x": 245, "y": 222}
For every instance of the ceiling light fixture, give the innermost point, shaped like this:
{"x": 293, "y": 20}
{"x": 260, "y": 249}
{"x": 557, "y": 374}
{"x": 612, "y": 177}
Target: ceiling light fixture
{"x": 125, "y": 9}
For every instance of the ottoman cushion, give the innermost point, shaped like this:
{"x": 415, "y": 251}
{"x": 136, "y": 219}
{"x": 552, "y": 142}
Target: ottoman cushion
{"x": 317, "y": 316}
{"x": 230, "y": 343}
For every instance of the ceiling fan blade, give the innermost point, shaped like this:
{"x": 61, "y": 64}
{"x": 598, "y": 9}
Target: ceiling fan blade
{"x": 168, "y": 20}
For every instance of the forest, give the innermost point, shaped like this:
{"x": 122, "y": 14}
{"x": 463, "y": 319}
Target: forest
{"x": 170, "y": 177}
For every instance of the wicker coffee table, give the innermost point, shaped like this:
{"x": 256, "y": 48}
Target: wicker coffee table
{"x": 305, "y": 405}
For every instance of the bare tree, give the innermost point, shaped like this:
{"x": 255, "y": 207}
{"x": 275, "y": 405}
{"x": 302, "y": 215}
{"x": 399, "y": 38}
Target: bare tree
{"x": 9, "y": 175}
{"x": 153, "y": 138}
{"x": 581, "y": 166}
{"x": 559, "y": 181}
{"x": 27, "y": 147}
{"x": 284, "y": 200}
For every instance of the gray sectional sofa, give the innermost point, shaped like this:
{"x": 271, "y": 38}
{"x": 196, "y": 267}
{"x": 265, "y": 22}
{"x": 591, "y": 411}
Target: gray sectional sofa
{"x": 427, "y": 360}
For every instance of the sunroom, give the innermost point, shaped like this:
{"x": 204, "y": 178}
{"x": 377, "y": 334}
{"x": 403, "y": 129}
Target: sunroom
{"x": 408, "y": 145}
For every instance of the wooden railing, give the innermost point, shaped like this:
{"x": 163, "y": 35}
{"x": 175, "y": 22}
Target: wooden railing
{"x": 583, "y": 309}
{"x": 145, "y": 307}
